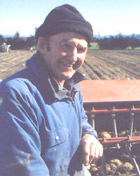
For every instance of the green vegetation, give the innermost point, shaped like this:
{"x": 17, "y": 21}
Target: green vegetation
{"x": 93, "y": 46}
{"x": 137, "y": 48}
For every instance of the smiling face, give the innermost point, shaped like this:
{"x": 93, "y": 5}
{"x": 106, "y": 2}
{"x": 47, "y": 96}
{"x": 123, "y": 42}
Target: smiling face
{"x": 67, "y": 53}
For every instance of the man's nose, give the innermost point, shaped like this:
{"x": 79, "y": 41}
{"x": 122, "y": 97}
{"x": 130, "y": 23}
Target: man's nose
{"x": 73, "y": 55}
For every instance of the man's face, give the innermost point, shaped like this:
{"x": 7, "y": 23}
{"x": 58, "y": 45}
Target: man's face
{"x": 67, "y": 53}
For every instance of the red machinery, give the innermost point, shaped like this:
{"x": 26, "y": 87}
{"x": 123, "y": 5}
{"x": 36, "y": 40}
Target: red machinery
{"x": 114, "y": 105}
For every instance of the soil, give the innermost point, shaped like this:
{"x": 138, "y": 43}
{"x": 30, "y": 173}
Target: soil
{"x": 13, "y": 61}
{"x": 112, "y": 64}
{"x": 99, "y": 64}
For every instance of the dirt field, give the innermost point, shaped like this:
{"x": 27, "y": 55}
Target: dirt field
{"x": 115, "y": 64}
{"x": 13, "y": 61}
{"x": 99, "y": 64}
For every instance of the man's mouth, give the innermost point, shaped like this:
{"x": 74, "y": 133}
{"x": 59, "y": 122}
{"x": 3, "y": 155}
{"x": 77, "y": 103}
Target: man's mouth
{"x": 68, "y": 65}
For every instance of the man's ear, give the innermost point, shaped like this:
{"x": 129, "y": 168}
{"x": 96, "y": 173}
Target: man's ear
{"x": 41, "y": 45}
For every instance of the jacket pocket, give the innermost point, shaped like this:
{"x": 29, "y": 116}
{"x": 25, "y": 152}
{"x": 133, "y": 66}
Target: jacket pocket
{"x": 57, "y": 137}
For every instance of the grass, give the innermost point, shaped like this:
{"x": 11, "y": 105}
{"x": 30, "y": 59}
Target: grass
{"x": 93, "y": 46}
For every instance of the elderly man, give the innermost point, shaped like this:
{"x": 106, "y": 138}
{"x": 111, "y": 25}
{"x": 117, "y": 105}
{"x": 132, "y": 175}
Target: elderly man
{"x": 43, "y": 126}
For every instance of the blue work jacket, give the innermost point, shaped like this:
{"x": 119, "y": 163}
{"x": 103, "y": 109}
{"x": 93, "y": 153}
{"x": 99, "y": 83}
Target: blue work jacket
{"x": 41, "y": 123}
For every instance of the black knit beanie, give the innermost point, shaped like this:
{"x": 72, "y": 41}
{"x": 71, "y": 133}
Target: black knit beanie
{"x": 65, "y": 18}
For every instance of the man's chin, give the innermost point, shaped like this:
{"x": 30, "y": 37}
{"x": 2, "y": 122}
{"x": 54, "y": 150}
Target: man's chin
{"x": 69, "y": 76}
{"x": 65, "y": 76}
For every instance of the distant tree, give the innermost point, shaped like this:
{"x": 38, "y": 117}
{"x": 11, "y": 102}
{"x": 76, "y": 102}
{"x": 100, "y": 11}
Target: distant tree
{"x": 2, "y": 40}
{"x": 104, "y": 43}
{"x": 134, "y": 42}
{"x": 117, "y": 42}
{"x": 20, "y": 43}
{"x": 16, "y": 36}
{"x": 121, "y": 42}
{"x": 9, "y": 41}
{"x": 30, "y": 41}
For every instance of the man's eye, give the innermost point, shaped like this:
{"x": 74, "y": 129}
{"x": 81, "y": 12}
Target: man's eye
{"x": 80, "y": 50}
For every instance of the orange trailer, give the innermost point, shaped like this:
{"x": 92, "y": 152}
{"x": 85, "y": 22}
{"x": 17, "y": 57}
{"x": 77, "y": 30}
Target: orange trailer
{"x": 114, "y": 105}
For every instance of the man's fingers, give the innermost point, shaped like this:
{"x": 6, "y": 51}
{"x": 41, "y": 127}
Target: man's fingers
{"x": 92, "y": 149}
{"x": 86, "y": 159}
{"x": 96, "y": 151}
{"x": 86, "y": 152}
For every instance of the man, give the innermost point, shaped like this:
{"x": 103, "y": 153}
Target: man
{"x": 43, "y": 126}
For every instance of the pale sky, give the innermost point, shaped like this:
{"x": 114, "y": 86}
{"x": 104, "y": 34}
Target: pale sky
{"x": 108, "y": 17}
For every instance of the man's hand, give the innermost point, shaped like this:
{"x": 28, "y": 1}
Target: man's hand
{"x": 92, "y": 148}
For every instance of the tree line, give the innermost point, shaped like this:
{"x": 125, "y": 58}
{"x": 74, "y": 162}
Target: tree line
{"x": 113, "y": 42}
{"x": 118, "y": 42}
{"x": 18, "y": 42}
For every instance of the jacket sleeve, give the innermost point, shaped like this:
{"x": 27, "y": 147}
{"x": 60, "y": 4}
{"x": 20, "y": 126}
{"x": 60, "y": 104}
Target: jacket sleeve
{"x": 20, "y": 146}
{"x": 86, "y": 127}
